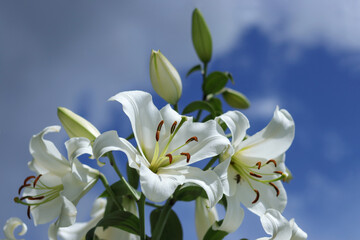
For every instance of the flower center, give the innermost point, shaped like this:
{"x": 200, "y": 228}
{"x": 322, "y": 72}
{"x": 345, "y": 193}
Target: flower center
{"x": 166, "y": 156}
{"x": 264, "y": 173}
{"x": 43, "y": 194}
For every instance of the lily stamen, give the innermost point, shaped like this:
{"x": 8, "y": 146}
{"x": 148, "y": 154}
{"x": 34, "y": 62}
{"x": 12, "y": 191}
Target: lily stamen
{"x": 27, "y": 179}
{"x": 187, "y": 156}
{"x": 36, "y": 180}
{"x": 170, "y": 158}
{"x": 255, "y": 175}
{"x": 276, "y": 188}
{"x": 23, "y": 186}
{"x": 257, "y": 196}
{"x": 258, "y": 164}
{"x": 194, "y": 138}
{"x": 173, "y": 127}
{"x": 278, "y": 172}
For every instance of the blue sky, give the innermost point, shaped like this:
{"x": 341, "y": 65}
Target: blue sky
{"x": 302, "y": 56}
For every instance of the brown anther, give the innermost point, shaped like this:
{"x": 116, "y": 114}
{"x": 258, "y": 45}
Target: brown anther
{"x": 278, "y": 172}
{"x": 25, "y": 185}
{"x": 258, "y": 164}
{"x": 27, "y": 179}
{"x": 255, "y": 175}
{"x": 187, "y": 156}
{"x": 257, "y": 196}
{"x": 32, "y": 198}
{"x": 273, "y": 161}
{"x": 157, "y": 136}
{"x": 237, "y": 178}
{"x": 28, "y": 212}
{"x": 276, "y": 188}
{"x": 194, "y": 138}
{"x": 170, "y": 157}
{"x": 36, "y": 180}
{"x": 173, "y": 127}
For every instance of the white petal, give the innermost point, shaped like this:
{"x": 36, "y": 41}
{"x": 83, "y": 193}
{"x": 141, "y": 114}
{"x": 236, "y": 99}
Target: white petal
{"x": 46, "y": 212}
{"x": 112, "y": 233}
{"x": 211, "y": 141}
{"x": 110, "y": 141}
{"x": 234, "y": 215}
{"x": 297, "y": 233}
{"x": 237, "y": 123}
{"x": 275, "y": 225}
{"x": 52, "y": 231}
{"x": 273, "y": 140}
{"x": 208, "y": 180}
{"x": 222, "y": 171}
{"x": 267, "y": 198}
{"x": 10, "y": 226}
{"x": 158, "y": 187}
{"x": 47, "y": 157}
{"x": 68, "y": 213}
{"x": 205, "y": 216}
{"x": 144, "y": 118}
{"x": 77, "y": 147}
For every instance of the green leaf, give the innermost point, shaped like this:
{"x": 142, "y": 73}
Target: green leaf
{"x": 90, "y": 235}
{"x": 194, "y": 69}
{"x": 133, "y": 176}
{"x": 121, "y": 188}
{"x": 197, "y": 105}
{"x": 214, "y": 234}
{"x": 217, "y": 105}
{"x": 201, "y": 36}
{"x": 215, "y": 82}
{"x": 229, "y": 75}
{"x": 188, "y": 192}
{"x": 123, "y": 220}
{"x": 235, "y": 99}
{"x": 172, "y": 229}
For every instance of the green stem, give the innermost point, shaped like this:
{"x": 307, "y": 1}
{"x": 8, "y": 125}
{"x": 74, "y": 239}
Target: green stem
{"x": 108, "y": 189}
{"x": 153, "y": 205}
{"x": 176, "y": 107}
{"x": 210, "y": 163}
{"x": 165, "y": 211}
{"x": 203, "y": 73}
{"x": 113, "y": 164}
{"x": 141, "y": 210}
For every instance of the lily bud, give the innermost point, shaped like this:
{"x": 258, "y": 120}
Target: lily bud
{"x": 201, "y": 36}
{"x": 235, "y": 99}
{"x": 76, "y": 126}
{"x": 165, "y": 79}
{"x": 205, "y": 216}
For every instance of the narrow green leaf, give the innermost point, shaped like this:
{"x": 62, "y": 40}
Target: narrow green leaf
{"x": 215, "y": 82}
{"x": 235, "y": 99}
{"x": 123, "y": 220}
{"x": 194, "y": 69}
{"x": 133, "y": 176}
{"x": 229, "y": 75}
{"x": 217, "y": 105}
{"x": 189, "y": 192}
{"x": 197, "y": 105}
{"x": 214, "y": 234}
{"x": 201, "y": 36}
{"x": 172, "y": 229}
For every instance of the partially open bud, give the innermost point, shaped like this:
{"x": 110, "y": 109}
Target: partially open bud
{"x": 165, "y": 79}
{"x": 235, "y": 99}
{"x": 76, "y": 126}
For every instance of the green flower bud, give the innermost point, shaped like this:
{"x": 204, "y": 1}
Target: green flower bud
{"x": 76, "y": 126}
{"x": 165, "y": 79}
{"x": 201, "y": 36}
{"x": 235, "y": 99}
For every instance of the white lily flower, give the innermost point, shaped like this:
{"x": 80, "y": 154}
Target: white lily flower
{"x": 10, "y": 226}
{"x": 59, "y": 183}
{"x": 257, "y": 166}
{"x": 280, "y": 228}
{"x": 78, "y": 231}
{"x": 167, "y": 143}
{"x": 205, "y": 216}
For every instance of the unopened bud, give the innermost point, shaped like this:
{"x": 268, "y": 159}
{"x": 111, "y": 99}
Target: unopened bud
{"x": 235, "y": 99}
{"x": 76, "y": 126}
{"x": 165, "y": 79}
{"x": 201, "y": 36}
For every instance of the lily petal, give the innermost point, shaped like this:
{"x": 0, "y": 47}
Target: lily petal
{"x": 144, "y": 118}
{"x": 222, "y": 171}
{"x": 238, "y": 124}
{"x": 77, "y": 147}
{"x": 46, "y": 156}
{"x": 234, "y": 215}
{"x": 10, "y": 226}
{"x": 297, "y": 233}
{"x": 205, "y": 216}
{"x": 273, "y": 140}
{"x": 159, "y": 187}
{"x": 275, "y": 225}
{"x": 68, "y": 213}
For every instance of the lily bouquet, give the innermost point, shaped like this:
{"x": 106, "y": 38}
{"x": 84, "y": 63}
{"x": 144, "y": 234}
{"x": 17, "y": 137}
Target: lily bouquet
{"x": 241, "y": 170}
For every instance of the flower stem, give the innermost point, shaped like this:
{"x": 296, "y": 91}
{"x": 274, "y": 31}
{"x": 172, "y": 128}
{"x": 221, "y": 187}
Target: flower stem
{"x": 176, "y": 107}
{"x": 113, "y": 164}
{"x": 165, "y": 212}
{"x": 141, "y": 209}
{"x": 109, "y": 191}
{"x": 210, "y": 163}
{"x": 203, "y": 73}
